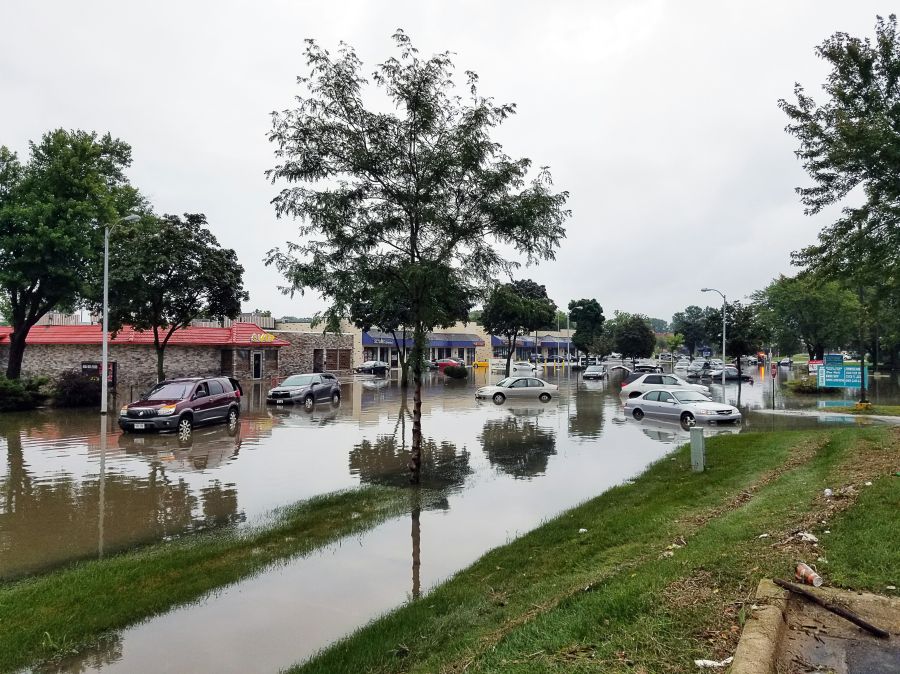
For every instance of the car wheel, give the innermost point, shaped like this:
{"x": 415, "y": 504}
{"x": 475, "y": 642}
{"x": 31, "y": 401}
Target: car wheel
{"x": 185, "y": 427}
{"x": 638, "y": 413}
{"x": 336, "y": 398}
{"x": 308, "y": 403}
{"x": 499, "y": 398}
{"x": 232, "y": 418}
{"x": 544, "y": 397}
{"x": 687, "y": 420}
{"x": 634, "y": 394}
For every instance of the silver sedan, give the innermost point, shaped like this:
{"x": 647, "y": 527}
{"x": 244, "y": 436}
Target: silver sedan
{"x": 518, "y": 388}
{"x": 688, "y": 407}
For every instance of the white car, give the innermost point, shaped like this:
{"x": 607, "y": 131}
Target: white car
{"x": 687, "y": 407}
{"x": 515, "y": 367}
{"x": 518, "y": 388}
{"x": 641, "y": 383}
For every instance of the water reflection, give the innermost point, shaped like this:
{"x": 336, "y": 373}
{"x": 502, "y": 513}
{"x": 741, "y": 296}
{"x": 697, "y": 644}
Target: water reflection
{"x": 587, "y": 421}
{"x": 517, "y": 445}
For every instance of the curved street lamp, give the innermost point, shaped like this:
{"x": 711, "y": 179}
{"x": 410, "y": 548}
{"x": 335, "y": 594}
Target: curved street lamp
{"x": 105, "y": 359}
{"x": 724, "y": 306}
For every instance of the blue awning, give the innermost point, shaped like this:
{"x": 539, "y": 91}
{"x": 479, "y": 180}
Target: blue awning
{"x": 435, "y": 340}
{"x": 521, "y": 341}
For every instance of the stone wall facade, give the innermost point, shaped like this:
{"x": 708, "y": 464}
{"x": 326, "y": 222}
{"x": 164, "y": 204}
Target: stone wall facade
{"x": 300, "y": 356}
{"x": 136, "y": 364}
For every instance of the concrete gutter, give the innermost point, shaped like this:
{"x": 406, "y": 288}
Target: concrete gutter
{"x": 843, "y": 416}
{"x": 758, "y": 648}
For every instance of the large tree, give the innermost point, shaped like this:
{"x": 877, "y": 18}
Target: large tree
{"x": 691, "y": 325}
{"x": 633, "y": 336}
{"x": 515, "y": 309}
{"x": 745, "y": 332}
{"x": 815, "y": 311}
{"x": 165, "y": 272}
{"x": 52, "y": 211}
{"x": 587, "y": 314}
{"x": 850, "y": 147}
{"x": 415, "y": 190}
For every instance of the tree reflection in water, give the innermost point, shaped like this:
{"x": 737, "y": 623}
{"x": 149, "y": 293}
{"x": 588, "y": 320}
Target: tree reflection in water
{"x": 587, "y": 421}
{"x": 517, "y": 445}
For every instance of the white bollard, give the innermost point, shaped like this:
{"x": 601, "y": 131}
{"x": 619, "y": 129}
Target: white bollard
{"x": 698, "y": 450}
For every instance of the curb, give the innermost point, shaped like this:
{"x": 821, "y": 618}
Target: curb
{"x": 758, "y": 647}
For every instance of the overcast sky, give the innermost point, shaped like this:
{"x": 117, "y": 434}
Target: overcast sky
{"x": 659, "y": 118}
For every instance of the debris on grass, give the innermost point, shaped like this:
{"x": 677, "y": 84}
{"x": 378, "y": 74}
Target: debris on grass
{"x": 713, "y": 664}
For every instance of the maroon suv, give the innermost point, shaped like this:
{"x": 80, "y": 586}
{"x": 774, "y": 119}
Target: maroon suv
{"x": 181, "y": 404}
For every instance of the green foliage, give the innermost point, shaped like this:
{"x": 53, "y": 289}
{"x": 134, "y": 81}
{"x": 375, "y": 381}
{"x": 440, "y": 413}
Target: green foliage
{"x": 21, "y": 394}
{"x": 809, "y": 385}
{"x": 76, "y": 390}
{"x": 588, "y": 317}
{"x": 807, "y": 308}
{"x": 676, "y": 341}
{"x": 456, "y": 371}
{"x": 659, "y": 324}
{"x": 745, "y": 332}
{"x": 632, "y": 335}
{"x": 691, "y": 325}
{"x": 49, "y": 210}
{"x": 412, "y": 201}
{"x": 165, "y": 272}
{"x": 515, "y": 309}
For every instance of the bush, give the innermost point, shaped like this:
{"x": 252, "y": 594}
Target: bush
{"x": 810, "y": 385}
{"x": 77, "y": 390}
{"x": 456, "y": 371}
{"x": 20, "y": 394}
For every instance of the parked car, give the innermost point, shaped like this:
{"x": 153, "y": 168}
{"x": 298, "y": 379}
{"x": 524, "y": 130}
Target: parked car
{"x": 518, "y": 388}
{"x": 635, "y": 384}
{"x": 731, "y": 374}
{"x": 308, "y": 389}
{"x": 698, "y": 368}
{"x": 378, "y": 367}
{"x": 594, "y": 372}
{"x": 515, "y": 367}
{"x": 181, "y": 404}
{"x": 442, "y": 363}
{"x": 646, "y": 366}
{"x": 785, "y": 362}
{"x": 687, "y": 407}
{"x": 665, "y": 358}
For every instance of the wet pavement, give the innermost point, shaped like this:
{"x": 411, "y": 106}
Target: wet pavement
{"x": 499, "y": 470}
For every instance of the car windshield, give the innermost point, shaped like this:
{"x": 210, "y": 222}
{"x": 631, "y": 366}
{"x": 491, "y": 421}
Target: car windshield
{"x": 690, "y": 397}
{"x": 176, "y": 390}
{"x": 594, "y": 368}
{"x": 298, "y": 380}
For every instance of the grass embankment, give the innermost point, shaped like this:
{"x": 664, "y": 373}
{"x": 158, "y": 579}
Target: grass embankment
{"x": 666, "y": 571}
{"x": 877, "y": 410}
{"x": 58, "y": 613}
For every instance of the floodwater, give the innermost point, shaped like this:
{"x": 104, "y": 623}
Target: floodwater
{"x": 69, "y": 491}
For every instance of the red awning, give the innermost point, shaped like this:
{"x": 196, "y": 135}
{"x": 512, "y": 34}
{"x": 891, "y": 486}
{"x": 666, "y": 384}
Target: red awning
{"x": 238, "y": 335}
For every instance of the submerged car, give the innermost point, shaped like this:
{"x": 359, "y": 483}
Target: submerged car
{"x": 594, "y": 372}
{"x": 308, "y": 389}
{"x": 637, "y": 383}
{"x": 687, "y": 407}
{"x": 518, "y": 388}
{"x": 181, "y": 404}
{"x": 731, "y": 374}
{"x": 378, "y": 367}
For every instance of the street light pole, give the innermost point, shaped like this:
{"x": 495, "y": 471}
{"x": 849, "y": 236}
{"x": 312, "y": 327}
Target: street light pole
{"x": 724, "y": 307}
{"x": 104, "y": 384}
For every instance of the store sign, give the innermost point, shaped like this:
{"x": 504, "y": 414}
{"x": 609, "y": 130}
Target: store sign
{"x": 92, "y": 369}
{"x": 835, "y": 359}
{"x": 261, "y": 337}
{"x": 814, "y": 366}
{"x": 840, "y": 376}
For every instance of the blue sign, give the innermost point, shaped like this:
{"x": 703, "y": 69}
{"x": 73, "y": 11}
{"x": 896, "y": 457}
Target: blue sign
{"x": 840, "y": 376}
{"x": 707, "y": 353}
{"x": 834, "y": 359}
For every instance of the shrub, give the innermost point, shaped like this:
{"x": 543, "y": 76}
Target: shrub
{"x": 456, "y": 371}
{"x": 810, "y": 385}
{"x": 77, "y": 390}
{"x": 20, "y": 394}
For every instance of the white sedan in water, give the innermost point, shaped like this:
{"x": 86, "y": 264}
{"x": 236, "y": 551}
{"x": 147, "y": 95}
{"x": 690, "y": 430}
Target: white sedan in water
{"x": 518, "y": 388}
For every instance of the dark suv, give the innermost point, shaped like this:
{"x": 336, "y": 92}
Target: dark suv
{"x": 307, "y": 389}
{"x": 181, "y": 404}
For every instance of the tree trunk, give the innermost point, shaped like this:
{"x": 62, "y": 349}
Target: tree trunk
{"x": 862, "y": 350}
{"x": 415, "y": 456}
{"x": 16, "y": 352}
{"x": 811, "y": 350}
{"x": 160, "y": 356}
{"x": 820, "y": 352}
{"x": 511, "y": 343}
{"x": 416, "y": 535}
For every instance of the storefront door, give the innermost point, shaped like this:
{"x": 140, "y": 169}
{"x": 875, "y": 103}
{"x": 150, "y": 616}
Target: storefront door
{"x": 257, "y": 359}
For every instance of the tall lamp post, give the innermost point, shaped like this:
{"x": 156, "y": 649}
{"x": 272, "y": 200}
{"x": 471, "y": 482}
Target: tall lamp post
{"x": 724, "y": 307}
{"x": 104, "y": 384}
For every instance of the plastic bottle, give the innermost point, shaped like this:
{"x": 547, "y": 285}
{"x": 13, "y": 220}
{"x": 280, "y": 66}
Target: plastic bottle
{"x": 805, "y": 574}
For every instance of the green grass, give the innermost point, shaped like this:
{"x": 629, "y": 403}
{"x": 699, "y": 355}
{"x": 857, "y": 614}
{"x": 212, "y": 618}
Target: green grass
{"x": 881, "y": 410}
{"x": 58, "y": 613}
{"x": 611, "y": 600}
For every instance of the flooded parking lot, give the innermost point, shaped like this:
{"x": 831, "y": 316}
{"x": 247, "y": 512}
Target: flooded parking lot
{"x": 496, "y": 470}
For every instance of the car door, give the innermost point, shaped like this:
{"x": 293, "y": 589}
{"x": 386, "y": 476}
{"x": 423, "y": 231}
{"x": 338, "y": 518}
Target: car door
{"x": 535, "y": 387}
{"x": 650, "y": 382}
{"x": 316, "y": 387}
{"x": 669, "y": 380}
{"x": 519, "y": 388}
{"x": 200, "y": 403}
{"x": 218, "y": 402}
{"x": 666, "y": 405}
{"x": 649, "y": 403}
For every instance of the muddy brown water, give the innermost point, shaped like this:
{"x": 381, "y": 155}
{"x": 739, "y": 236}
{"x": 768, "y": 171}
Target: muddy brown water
{"x": 501, "y": 470}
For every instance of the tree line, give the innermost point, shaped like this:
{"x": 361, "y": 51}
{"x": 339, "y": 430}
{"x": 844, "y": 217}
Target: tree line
{"x": 164, "y": 270}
